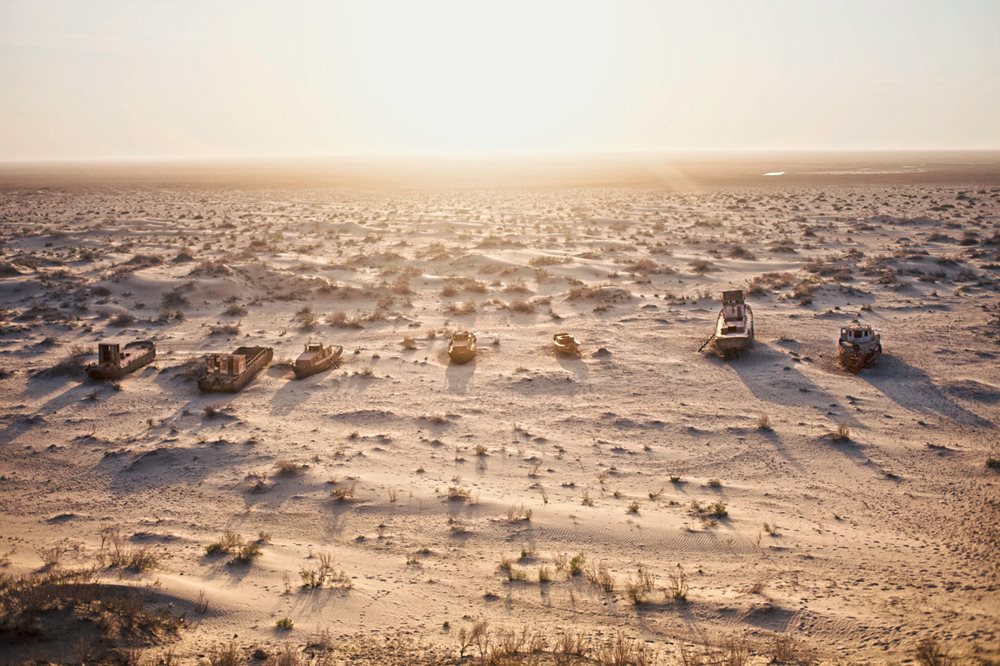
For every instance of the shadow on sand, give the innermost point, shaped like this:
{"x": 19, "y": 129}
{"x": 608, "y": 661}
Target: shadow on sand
{"x": 458, "y": 377}
{"x": 574, "y": 364}
{"x": 771, "y": 376}
{"x": 911, "y": 388}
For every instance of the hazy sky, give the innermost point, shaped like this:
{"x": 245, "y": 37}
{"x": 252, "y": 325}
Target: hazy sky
{"x": 132, "y": 79}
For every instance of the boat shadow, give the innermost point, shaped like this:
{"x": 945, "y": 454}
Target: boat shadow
{"x": 771, "y": 376}
{"x": 457, "y": 377}
{"x": 912, "y": 389}
{"x": 82, "y": 393}
{"x": 574, "y": 364}
{"x": 294, "y": 392}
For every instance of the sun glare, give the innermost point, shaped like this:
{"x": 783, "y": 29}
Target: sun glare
{"x": 475, "y": 77}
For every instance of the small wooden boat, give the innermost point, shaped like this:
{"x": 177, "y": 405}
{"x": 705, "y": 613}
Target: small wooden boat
{"x": 859, "y": 347}
{"x": 115, "y": 362}
{"x": 566, "y": 343}
{"x": 462, "y": 347}
{"x": 229, "y": 373}
{"x": 316, "y": 358}
{"x": 734, "y": 329}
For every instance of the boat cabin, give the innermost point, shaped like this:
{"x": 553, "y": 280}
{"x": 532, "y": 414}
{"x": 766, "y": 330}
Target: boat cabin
{"x": 226, "y": 364}
{"x": 109, "y": 353}
{"x": 313, "y": 352}
{"x": 734, "y": 311}
{"x": 857, "y": 334}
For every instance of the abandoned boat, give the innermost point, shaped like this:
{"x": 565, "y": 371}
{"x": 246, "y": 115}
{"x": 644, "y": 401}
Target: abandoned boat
{"x": 115, "y": 362}
{"x": 734, "y": 329}
{"x": 229, "y": 373}
{"x": 566, "y": 343}
{"x": 462, "y": 347}
{"x": 316, "y": 357}
{"x": 860, "y": 347}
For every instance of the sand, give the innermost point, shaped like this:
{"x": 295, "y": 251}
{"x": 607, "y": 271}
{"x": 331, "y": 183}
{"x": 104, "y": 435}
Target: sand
{"x": 434, "y": 487}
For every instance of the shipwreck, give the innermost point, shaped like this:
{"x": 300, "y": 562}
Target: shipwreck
{"x": 115, "y": 361}
{"x": 229, "y": 373}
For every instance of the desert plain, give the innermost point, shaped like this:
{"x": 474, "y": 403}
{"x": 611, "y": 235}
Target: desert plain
{"x": 643, "y": 502}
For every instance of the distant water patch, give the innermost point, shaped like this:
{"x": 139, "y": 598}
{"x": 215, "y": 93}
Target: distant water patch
{"x": 775, "y": 173}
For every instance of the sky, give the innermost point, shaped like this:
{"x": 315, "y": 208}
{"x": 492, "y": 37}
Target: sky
{"x": 180, "y": 79}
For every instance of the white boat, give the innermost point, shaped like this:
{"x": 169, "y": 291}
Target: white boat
{"x": 734, "y": 329}
{"x": 859, "y": 347}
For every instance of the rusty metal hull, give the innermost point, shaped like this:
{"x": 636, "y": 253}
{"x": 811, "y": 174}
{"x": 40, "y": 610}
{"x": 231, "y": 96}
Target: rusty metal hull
{"x": 327, "y": 362}
{"x": 144, "y": 353}
{"x": 857, "y": 360}
{"x": 462, "y": 349}
{"x": 566, "y": 344}
{"x": 258, "y": 358}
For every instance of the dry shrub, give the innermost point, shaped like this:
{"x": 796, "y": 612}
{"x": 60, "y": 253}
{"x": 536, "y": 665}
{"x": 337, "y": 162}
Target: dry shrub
{"x": 931, "y": 653}
{"x": 841, "y": 434}
{"x": 115, "y": 552}
{"x": 469, "y": 637}
{"x": 461, "y": 309}
{"x": 344, "y": 494}
{"x": 46, "y": 607}
{"x": 228, "y": 654}
{"x": 700, "y": 266}
{"x": 458, "y": 494}
{"x": 624, "y": 651}
{"x": 227, "y": 543}
{"x": 324, "y": 574}
{"x": 639, "y": 587}
{"x": 522, "y": 307}
{"x": 599, "y": 575}
{"x": 518, "y": 513}
{"x": 785, "y": 649}
{"x": 288, "y": 469}
{"x": 570, "y": 645}
{"x": 678, "y": 588}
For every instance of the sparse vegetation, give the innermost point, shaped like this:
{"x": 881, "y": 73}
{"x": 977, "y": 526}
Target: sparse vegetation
{"x": 324, "y": 574}
{"x": 116, "y": 552}
{"x": 518, "y": 513}
{"x": 599, "y": 575}
{"x": 678, "y": 586}
{"x": 577, "y": 563}
{"x": 639, "y": 587}
{"x": 81, "y": 604}
{"x": 931, "y": 653}
{"x": 841, "y": 434}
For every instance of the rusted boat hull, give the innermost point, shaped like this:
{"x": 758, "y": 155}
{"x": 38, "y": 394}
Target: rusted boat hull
{"x": 464, "y": 351}
{"x": 463, "y": 355}
{"x": 303, "y": 371}
{"x": 258, "y": 358}
{"x": 855, "y": 361}
{"x": 731, "y": 344}
{"x": 566, "y": 344}
{"x": 144, "y": 354}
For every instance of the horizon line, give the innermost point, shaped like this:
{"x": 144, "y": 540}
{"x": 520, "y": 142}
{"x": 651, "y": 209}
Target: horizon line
{"x": 502, "y": 156}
